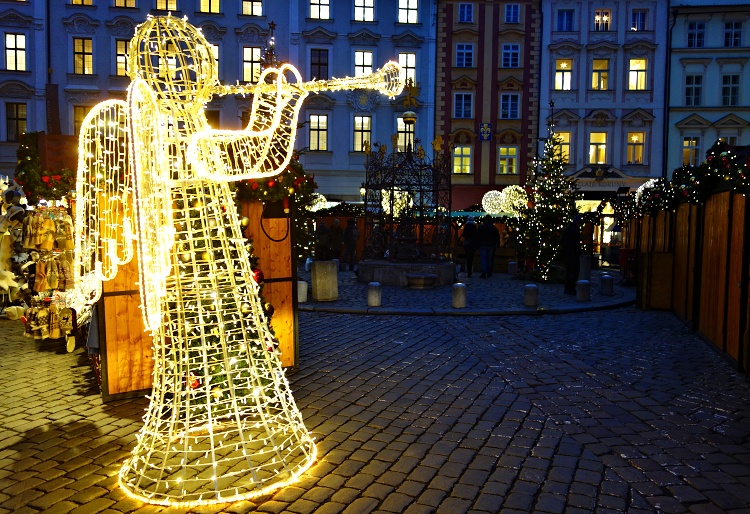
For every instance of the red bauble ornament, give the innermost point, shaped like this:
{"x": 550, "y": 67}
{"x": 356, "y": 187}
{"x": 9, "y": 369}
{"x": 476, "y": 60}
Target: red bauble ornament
{"x": 271, "y": 183}
{"x": 258, "y": 275}
{"x": 253, "y": 185}
{"x": 193, "y": 381}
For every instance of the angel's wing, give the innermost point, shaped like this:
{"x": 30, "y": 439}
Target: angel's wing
{"x": 104, "y": 219}
{"x": 153, "y": 204}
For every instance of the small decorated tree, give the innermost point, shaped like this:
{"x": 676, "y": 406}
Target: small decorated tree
{"x": 552, "y": 204}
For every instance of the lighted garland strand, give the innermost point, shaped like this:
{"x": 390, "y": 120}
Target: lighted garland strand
{"x": 40, "y": 184}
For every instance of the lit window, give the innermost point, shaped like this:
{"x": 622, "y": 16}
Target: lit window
{"x": 124, "y": 3}
{"x": 635, "y": 147}
{"x": 319, "y": 132}
{"x": 509, "y": 106}
{"x": 215, "y": 52}
{"x": 362, "y": 62}
{"x": 602, "y": 19}
{"x": 507, "y": 160}
{"x": 466, "y": 13}
{"x": 464, "y": 55}
{"x": 511, "y": 55}
{"x": 210, "y": 6}
{"x": 251, "y": 63}
{"x": 730, "y": 90}
{"x": 732, "y": 34}
{"x": 638, "y": 19}
{"x": 564, "y": 147}
{"x": 81, "y": 2}
{"x": 405, "y": 134}
{"x": 15, "y": 120}
{"x": 79, "y": 113}
{"x": 598, "y": 148}
{"x": 362, "y": 132}
{"x": 166, "y": 5}
{"x": 408, "y": 63}
{"x": 252, "y": 7}
{"x": 462, "y": 159}
{"x": 15, "y": 52}
{"x": 364, "y": 10}
{"x": 693, "y": 90}
{"x": 319, "y": 63}
{"x": 637, "y": 74}
{"x": 407, "y": 11}
{"x": 565, "y": 19}
{"x": 512, "y": 13}
{"x": 728, "y": 140}
{"x": 462, "y": 105}
{"x": 691, "y": 150}
{"x": 83, "y": 56}
{"x": 600, "y": 74}
{"x": 320, "y": 9}
{"x": 563, "y": 74}
{"x": 696, "y": 34}
{"x": 121, "y": 57}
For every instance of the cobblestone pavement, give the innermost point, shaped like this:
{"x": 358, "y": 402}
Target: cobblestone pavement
{"x": 498, "y": 294}
{"x": 621, "y": 410}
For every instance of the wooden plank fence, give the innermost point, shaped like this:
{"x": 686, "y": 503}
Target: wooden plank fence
{"x": 695, "y": 260}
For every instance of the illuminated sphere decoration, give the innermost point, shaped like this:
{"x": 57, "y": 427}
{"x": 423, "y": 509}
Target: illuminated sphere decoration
{"x": 513, "y": 200}
{"x": 222, "y": 424}
{"x": 317, "y": 202}
{"x": 492, "y": 202}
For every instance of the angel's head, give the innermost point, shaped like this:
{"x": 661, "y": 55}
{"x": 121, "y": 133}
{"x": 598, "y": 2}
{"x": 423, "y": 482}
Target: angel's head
{"x": 174, "y": 58}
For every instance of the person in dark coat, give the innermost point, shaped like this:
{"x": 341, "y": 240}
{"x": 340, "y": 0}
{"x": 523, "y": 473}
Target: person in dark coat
{"x": 570, "y": 247}
{"x": 489, "y": 239}
{"x": 470, "y": 238}
{"x": 337, "y": 239}
{"x": 322, "y": 242}
{"x": 351, "y": 236}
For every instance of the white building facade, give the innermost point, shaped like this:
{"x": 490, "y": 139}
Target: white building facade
{"x": 710, "y": 74}
{"x": 603, "y": 89}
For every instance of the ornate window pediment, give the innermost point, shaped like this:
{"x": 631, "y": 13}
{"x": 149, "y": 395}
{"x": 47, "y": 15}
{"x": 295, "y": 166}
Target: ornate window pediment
{"x": 601, "y": 117}
{"x": 13, "y": 18}
{"x": 212, "y": 31}
{"x": 565, "y": 49}
{"x": 408, "y": 39}
{"x": 510, "y": 84}
{"x": 121, "y": 26}
{"x": 80, "y": 24}
{"x": 638, "y": 118}
{"x": 320, "y": 102}
{"x": 320, "y": 36}
{"x": 464, "y": 82}
{"x": 694, "y": 121}
{"x": 252, "y": 34}
{"x": 16, "y": 89}
{"x": 730, "y": 121}
{"x": 563, "y": 118}
{"x": 364, "y": 37}
{"x": 462, "y": 137}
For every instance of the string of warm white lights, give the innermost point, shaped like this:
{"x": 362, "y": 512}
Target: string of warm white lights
{"x": 222, "y": 424}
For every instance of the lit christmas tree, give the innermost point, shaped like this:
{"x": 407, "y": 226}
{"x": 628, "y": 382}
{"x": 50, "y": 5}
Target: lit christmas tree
{"x": 552, "y": 205}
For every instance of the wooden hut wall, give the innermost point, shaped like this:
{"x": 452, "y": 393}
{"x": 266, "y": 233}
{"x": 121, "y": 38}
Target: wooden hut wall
{"x": 734, "y": 280}
{"x": 684, "y": 260}
{"x": 714, "y": 269}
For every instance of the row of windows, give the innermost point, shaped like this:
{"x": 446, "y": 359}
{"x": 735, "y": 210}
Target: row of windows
{"x": 364, "y": 10}
{"x": 730, "y": 90}
{"x": 510, "y": 55}
{"x": 696, "y": 34}
{"x": 637, "y": 74}
{"x": 510, "y": 106}
{"x": 466, "y": 13}
{"x": 602, "y": 20}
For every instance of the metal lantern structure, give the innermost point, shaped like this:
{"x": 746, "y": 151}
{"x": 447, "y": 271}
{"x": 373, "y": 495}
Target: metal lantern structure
{"x": 407, "y": 199}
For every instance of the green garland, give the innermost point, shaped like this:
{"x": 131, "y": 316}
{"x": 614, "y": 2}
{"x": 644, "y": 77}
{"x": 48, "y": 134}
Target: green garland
{"x": 291, "y": 181}
{"x": 40, "y": 184}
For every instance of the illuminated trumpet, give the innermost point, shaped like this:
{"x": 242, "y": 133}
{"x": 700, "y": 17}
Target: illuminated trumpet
{"x": 263, "y": 149}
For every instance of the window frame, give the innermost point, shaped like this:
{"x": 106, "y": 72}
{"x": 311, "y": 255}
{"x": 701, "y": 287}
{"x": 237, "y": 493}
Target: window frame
{"x": 126, "y": 2}
{"x": 166, "y": 5}
{"x": 317, "y": 134}
{"x": 511, "y": 54}
{"x": 465, "y": 12}
{"x": 563, "y": 76}
{"x": 121, "y": 57}
{"x": 209, "y": 6}
{"x": 565, "y": 20}
{"x": 730, "y": 93}
{"x": 507, "y": 163}
{"x": 639, "y": 20}
{"x": 691, "y": 150}
{"x": 320, "y": 9}
{"x": 512, "y": 14}
{"x": 565, "y": 147}
{"x": 464, "y": 55}
{"x": 364, "y": 12}
{"x": 460, "y": 108}
{"x": 510, "y": 104}
{"x": 16, "y": 121}
{"x": 599, "y": 77}
{"x": 597, "y": 149}
{"x": 361, "y": 66}
{"x": 252, "y": 6}
{"x": 637, "y": 77}
{"x": 404, "y": 133}
{"x": 602, "y": 20}
{"x": 461, "y": 156}
{"x": 83, "y": 58}
{"x": 408, "y": 11}
{"x": 317, "y": 66}
{"x": 81, "y": 2}
{"x": 361, "y": 134}
{"x": 252, "y": 65}
{"x": 635, "y": 147}
{"x": 696, "y": 34}
{"x": 79, "y": 113}
{"x": 408, "y": 63}
{"x": 732, "y": 34}
{"x": 18, "y": 52}
{"x": 693, "y": 90}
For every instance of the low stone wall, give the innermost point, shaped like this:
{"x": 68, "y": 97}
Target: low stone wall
{"x": 394, "y": 273}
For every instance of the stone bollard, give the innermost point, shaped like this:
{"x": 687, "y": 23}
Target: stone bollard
{"x": 512, "y": 268}
{"x": 338, "y": 264}
{"x": 607, "y": 286}
{"x": 583, "y": 291}
{"x": 374, "y": 294}
{"x": 531, "y": 295}
{"x": 584, "y": 272}
{"x": 325, "y": 282}
{"x": 301, "y": 291}
{"x": 459, "y": 296}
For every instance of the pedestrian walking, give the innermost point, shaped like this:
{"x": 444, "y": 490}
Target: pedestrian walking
{"x": 489, "y": 239}
{"x": 351, "y": 236}
{"x": 470, "y": 236}
{"x": 570, "y": 247}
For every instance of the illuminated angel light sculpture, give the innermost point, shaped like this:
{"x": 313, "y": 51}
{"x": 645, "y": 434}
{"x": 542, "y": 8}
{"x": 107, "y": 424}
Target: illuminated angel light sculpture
{"x": 222, "y": 424}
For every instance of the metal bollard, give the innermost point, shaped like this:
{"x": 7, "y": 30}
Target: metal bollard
{"x": 583, "y": 291}
{"x": 607, "y": 286}
{"x": 512, "y": 268}
{"x": 459, "y": 296}
{"x": 531, "y": 295}
{"x": 373, "y": 294}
